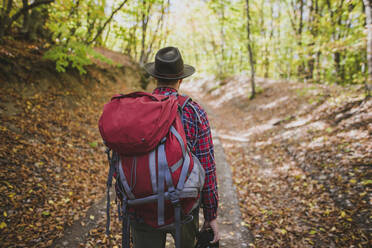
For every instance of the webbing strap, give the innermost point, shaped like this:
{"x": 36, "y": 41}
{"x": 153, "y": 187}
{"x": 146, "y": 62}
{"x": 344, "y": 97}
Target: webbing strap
{"x": 179, "y": 138}
{"x": 168, "y": 180}
{"x": 189, "y": 193}
{"x": 185, "y": 102}
{"x": 162, "y": 166}
{"x": 185, "y": 169}
{"x": 124, "y": 182}
{"x": 177, "y": 165}
{"x": 152, "y": 167}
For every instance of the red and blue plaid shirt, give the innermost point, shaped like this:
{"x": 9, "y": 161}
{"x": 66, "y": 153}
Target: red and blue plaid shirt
{"x": 199, "y": 135}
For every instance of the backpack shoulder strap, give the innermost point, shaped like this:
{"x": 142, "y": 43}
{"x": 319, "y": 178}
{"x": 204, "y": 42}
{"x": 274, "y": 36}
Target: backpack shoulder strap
{"x": 183, "y": 100}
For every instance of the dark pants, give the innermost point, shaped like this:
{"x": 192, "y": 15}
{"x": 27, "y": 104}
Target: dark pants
{"x": 145, "y": 236}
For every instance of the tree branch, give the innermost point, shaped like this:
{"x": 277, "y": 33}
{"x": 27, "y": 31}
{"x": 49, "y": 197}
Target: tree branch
{"x": 107, "y": 22}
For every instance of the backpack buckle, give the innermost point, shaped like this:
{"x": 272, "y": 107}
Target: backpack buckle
{"x": 174, "y": 198}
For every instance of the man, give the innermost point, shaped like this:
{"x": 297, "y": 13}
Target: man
{"x": 169, "y": 71}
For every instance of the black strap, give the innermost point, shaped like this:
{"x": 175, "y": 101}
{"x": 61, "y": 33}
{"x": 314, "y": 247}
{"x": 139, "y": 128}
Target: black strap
{"x": 108, "y": 186}
{"x": 177, "y": 217}
{"x": 125, "y": 233}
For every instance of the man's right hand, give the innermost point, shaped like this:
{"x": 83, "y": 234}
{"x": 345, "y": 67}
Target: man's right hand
{"x": 214, "y": 225}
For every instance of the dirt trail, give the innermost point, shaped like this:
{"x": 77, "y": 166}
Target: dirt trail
{"x": 302, "y": 179}
{"x": 301, "y": 160}
{"x": 280, "y": 202}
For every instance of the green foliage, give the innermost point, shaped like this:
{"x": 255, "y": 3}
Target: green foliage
{"x": 75, "y": 54}
{"x": 74, "y": 25}
{"x": 324, "y": 43}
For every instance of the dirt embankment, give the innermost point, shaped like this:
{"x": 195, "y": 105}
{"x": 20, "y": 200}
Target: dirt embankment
{"x": 301, "y": 160}
{"x": 52, "y": 161}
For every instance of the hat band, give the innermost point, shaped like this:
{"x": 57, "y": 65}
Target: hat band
{"x": 169, "y": 75}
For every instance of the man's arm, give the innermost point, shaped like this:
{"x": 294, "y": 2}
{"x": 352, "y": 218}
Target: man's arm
{"x": 199, "y": 133}
{"x": 205, "y": 154}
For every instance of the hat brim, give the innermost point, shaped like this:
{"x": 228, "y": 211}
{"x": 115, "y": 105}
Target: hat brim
{"x": 188, "y": 70}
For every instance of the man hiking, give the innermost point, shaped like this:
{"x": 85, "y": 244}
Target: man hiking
{"x": 160, "y": 151}
{"x": 169, "y": 70}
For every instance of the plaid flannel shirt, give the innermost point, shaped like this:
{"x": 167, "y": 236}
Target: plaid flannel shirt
{"x": 199, "y": 133}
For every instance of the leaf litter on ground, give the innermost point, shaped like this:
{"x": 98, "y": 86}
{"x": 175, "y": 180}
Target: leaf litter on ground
{"x": 302, "y": 181}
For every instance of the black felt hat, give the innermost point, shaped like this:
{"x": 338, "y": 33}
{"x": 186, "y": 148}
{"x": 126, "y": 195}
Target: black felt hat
{"x": 169, "y": 65}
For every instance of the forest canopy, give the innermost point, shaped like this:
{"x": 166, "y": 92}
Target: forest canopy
{"x": 322, "y": 41}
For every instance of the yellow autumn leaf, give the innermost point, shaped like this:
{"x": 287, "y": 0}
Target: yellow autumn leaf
{"x": 2, "y": 225}
{"x": 343, "y": 214}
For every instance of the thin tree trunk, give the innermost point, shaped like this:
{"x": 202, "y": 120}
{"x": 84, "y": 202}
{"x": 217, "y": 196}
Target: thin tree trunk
{"x": 99, "y": 32}
{"x": 301, "y": 67}
{"x": 222, "y": 32}
{"x": 368, "y": 8}
{"x": 158, "y": 28}
{"x": 5, "y": 17}
{"x": 251, "y": 59}
{"x": 145, "y": 21}
{"x": 107, "y": 36}
{"x": 336, "y": 36}
{"x": 135, "y": 37}
{"x": 313, "y": 27}
{"x": 164, "y": 28}
{"x": 26, "y": 16}
{"x": 267, "y": 53}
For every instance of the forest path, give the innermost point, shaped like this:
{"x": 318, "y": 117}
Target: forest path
{"x": 88, "y": 231}
{"x": 287, "y": 197}
{"x": 300, "y": 157}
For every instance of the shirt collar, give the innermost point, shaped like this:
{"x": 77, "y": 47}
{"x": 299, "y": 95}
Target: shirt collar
{"x": 163, "y": 90}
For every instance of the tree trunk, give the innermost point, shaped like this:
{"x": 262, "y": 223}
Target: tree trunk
{"x": 155, "y": 34}
{"x": 368, "y": 8}
{"x": 313, "y": 28}
{"x": 4, "y": 18}
{"x": 26, "y": 19}
{"x": 339, "y": 68}
{"x": 145, "y": 21}
{"x": 222, "y": 70}
{"x": 301, "y": 67}
{"x": 251, "y": 59}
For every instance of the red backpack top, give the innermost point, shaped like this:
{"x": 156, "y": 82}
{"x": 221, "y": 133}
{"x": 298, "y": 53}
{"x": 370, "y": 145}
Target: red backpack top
{"x": 157, "y": 176}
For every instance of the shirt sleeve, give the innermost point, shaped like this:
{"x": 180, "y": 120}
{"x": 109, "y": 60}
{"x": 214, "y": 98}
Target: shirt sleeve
{"x": 199, "y": 133}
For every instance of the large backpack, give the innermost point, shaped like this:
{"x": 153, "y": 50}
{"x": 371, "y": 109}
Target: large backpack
{"x": 158, "y": 179}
